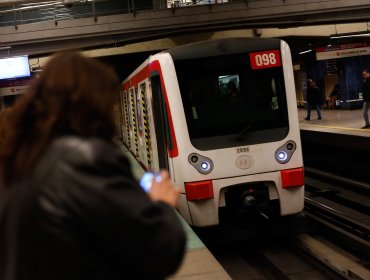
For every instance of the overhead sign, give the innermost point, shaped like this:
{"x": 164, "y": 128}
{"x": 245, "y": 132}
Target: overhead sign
{"x": 342, "y": 51}
{"x": 13, "y": 90}
{"x": 11, "y": 87}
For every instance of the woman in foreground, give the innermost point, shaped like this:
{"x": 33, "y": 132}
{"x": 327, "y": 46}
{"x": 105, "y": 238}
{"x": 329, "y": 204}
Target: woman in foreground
{"x": 70, "y": 206}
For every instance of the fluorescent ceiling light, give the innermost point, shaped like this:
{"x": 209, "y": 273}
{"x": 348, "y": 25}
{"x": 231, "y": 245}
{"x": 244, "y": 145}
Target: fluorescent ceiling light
{"x": 350, "y": 35}
{"x": 305, "y": 51}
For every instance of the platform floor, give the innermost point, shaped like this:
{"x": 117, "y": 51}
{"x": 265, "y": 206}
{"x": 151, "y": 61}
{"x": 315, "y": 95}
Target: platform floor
{"x": 336, "y": 121}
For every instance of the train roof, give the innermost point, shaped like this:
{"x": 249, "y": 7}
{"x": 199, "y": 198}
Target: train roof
{"x": 225, "y": 46}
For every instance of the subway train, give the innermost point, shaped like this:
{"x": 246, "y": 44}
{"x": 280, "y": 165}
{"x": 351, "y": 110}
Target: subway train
{"x": 221, "y": 117}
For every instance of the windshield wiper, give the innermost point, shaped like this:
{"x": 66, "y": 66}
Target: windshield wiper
{"x": 242, "y": 134}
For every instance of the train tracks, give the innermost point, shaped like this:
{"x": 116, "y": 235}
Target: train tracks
{"x": 338, "y": 209}
{"x": 335, "y": 246}
{"x": 341, "y": 206}
{"x": 287, "y": 257}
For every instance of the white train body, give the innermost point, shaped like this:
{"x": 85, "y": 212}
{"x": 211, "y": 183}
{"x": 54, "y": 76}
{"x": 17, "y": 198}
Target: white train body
{"x": 229, "y": 154}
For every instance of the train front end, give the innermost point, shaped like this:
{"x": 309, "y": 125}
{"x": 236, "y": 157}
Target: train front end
{"x": 237, "y": 133}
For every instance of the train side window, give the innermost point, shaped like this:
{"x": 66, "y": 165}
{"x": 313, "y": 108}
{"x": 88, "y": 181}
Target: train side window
{"x": 160, "y": 119}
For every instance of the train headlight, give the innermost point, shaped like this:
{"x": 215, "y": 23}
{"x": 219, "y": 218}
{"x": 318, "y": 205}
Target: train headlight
{"x": 285, "y": 152}
{"x": 205, "y": 166}
{"x": 201, "y": 163}
{"x": 282, "y": 156}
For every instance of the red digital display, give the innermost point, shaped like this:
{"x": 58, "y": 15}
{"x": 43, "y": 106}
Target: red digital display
{"x": 265, "y": 59}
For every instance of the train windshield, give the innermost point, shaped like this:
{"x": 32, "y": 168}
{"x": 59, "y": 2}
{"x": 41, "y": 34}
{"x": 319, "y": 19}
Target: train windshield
{"x": 227, "y": 103}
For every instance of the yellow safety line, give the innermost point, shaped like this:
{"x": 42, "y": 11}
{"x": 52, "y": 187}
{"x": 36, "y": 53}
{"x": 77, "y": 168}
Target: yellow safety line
{"x": 337, "y": 127}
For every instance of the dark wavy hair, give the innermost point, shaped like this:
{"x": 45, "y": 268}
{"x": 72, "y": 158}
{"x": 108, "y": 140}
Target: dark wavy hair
{"x": 74, "y": 95}
{"x": 4, "y": 123}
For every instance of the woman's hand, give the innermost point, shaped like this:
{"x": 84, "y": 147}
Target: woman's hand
{"x": 164, "y": 190}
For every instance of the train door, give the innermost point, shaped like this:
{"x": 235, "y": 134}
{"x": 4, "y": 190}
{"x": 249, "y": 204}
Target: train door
{"x": 162, "y": 131}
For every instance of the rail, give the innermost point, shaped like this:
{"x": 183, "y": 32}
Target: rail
{"x": 341, "y": 206}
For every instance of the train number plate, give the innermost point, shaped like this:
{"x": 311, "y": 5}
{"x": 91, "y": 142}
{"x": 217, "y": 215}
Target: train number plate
{"x": 265, "y": 59}
{"x": 242, "y": 150}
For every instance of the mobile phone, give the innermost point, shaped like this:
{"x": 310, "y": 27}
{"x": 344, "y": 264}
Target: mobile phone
{"x": 146, "y": 180}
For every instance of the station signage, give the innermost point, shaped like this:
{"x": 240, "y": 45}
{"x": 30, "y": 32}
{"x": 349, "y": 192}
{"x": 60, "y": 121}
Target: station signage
{"x": 341, "y": 51}
{"x": 12, "y": 87}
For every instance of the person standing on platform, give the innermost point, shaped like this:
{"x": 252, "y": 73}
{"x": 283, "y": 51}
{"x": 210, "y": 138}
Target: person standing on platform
{"x": 314, "y": 99}
{"x": 334, "y": 97}
{"x": 366, "y": 97}
{"x": 70, "y": 206}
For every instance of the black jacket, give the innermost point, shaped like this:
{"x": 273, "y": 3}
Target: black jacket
{"x": 366, "y": 90}
{"x": 314, "y": 96}
{"x": 81, "y": 215}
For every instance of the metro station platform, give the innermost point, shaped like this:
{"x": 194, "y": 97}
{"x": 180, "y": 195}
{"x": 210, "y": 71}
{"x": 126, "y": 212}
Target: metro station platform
{"x": 198, "y": 262}
{"x": 340, "y": 121}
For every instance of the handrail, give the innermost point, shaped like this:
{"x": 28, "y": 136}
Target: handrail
{"x": 28, "y": 11}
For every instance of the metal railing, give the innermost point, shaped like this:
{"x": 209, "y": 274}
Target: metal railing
{"x": 31, "y": 12}
{"x": 183, "y": 3}
{"x": 13, "y": 13}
